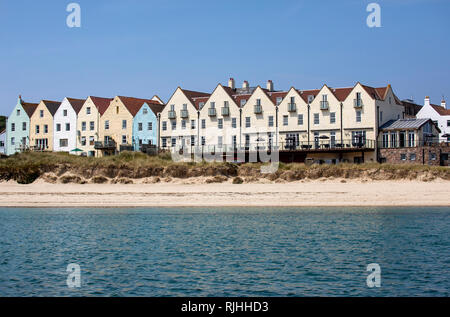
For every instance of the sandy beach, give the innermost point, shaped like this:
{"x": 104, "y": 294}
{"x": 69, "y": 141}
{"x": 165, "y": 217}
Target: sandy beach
{"x": 309, "y": 193}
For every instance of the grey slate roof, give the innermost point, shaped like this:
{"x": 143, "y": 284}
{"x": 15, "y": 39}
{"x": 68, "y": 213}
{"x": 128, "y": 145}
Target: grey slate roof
{"x": 404, "y": 124}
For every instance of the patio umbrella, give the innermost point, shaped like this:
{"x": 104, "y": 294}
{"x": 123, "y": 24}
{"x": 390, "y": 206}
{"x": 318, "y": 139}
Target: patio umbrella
{"x": 76, "y": 150}
{"x": 323, "y": 137}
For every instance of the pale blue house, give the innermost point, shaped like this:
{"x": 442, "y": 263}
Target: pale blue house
{"x": 18, "y": 127}
{"x": 145, "y": 124}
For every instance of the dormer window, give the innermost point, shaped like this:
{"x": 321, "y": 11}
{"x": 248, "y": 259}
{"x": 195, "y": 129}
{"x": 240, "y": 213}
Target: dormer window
{"x": 279, "y": 100}
{"x": 243, "y": 102}
{"x": 201, "y": 104}
{"x": 310, "y": 98}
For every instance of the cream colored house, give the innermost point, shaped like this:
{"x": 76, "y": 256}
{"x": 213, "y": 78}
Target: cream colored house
{"x": 337, "y": 124}
{"x": 293, "y": 118}
{"x": 41, "y": 125}
{"x": 219, "y": 120}
{"x": 258, "y": 121}
{"x": 88, "y": 124}
{"x": 179, "y": 119}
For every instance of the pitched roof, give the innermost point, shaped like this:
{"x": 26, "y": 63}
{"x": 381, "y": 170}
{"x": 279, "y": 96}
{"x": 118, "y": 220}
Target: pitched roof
{"x": 76, "y": 104}
{"x": 404, "y": 124}
{"x": 101, "y": 103}
{"x": 135, "y": 104}
{"x": 441, "y": 110}
{"x": 305, "y": 93}
{"x": 194, "y": 96}
{"x": 29, "y": 108}
{"x": 275, "y": 94}
{"x": 198, "y": 100}
{"x": 380, "y": 93}
{"x": 2, "y": 131}
{"x": 341, "y": 93}
{"x": 52, "y": 106}
{"x": 238, "y": 98}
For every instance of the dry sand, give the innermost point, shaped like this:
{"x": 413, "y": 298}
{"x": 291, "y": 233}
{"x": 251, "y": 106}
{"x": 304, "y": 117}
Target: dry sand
{"x": 302, "y": 193}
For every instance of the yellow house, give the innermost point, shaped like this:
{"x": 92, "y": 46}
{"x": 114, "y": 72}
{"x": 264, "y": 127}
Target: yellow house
{"x": 41, "y": 125}
{"x": 88, "y": 124}
{"x": 116, "y": 124}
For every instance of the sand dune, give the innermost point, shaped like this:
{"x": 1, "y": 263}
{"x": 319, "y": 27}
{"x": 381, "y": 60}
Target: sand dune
{"x": 302, "y": 193}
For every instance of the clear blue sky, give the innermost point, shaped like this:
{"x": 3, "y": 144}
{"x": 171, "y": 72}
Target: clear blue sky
{"x": 141, "y": 48}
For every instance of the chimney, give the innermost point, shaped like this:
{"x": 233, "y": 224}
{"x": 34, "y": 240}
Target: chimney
{"x": 269, "y": 85}
{"x": 245, "y": 85}
{"x": 231, "y": 83}
{"x": 426, "y": 102}
{"x": 20, "y": 98}
{"x": 443, "y": 104}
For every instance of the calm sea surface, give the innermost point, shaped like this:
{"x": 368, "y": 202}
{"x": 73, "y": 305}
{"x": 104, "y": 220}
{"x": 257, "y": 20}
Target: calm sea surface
{"x": 225, "y": 251}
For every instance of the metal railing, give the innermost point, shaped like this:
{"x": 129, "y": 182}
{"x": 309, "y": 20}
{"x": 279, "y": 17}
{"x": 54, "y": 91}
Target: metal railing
{"x": 324, "y": 105}
{"x": 357, "y": 103}
{"x": 172, "y": 114}
{"x": 212, "y": 112}
{"x": 184, "y": 114}
{"x": 258, "y": 109}
{"x": 98, "y": 145}
{"x": 292, "y": 107}
{"x": 320, "y": 145}
{"x": 225, "y": 111}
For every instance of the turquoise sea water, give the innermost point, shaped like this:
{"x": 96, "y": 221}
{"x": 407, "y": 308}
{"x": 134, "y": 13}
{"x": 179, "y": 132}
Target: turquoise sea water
{"x": 225, "y": 251}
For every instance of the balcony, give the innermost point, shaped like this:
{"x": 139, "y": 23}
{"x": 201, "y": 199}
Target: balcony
{"x": 324, "y": 105}
{"x": 357, "y": 103}
{"x": 172, "y": 114}
{"x": 212, "y": 112}
{"x": 184, "y": 114}
{"x": 108, "y": 145}
{"x": 258, "y": 109}
{"x": 225, "y": 111}
{"x": 292, "y": 107}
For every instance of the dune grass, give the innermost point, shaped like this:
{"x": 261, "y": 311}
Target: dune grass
{"x": 27, "y": 167}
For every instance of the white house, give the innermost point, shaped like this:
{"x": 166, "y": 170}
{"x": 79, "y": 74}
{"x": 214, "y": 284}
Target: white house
{"x": 65, "y": 125}
{"x": 440, "y": 116}
{"x": 2, "y": 141}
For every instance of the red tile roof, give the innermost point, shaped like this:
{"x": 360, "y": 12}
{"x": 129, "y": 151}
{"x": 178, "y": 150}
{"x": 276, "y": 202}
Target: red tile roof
{"x": 76, "y": 104}
{"x": 238, "y": 98}
{"x": 275, "y": 94}
{"x": 191, "y": 95}
{"x": 198, "y": 100}
{"x": 341, "y": 93}
{"x": 305, "y": 93}
{"x": 135, "y": 104}
{"x": 101, "y": 103}
{"x": 441, "y": 110}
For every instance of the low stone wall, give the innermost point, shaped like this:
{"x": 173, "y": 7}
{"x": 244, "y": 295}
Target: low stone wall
{"x": 428, "y": 155}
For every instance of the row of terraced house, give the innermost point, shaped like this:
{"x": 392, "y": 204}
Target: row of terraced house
{"x": 353, "y": 124}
